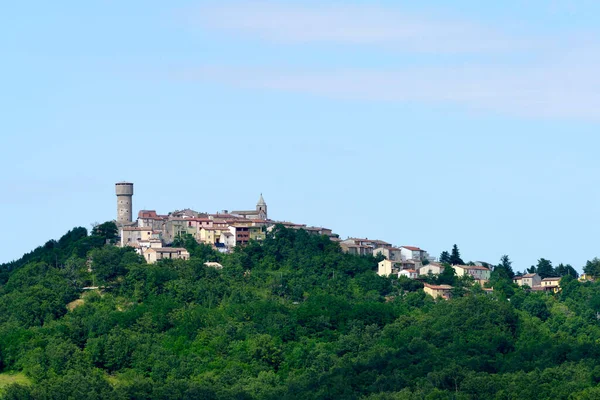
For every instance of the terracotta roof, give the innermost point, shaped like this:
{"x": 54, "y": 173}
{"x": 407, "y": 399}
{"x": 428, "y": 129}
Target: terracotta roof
{"x": 529, "y": 275}
{"x": 412, "y": 248}
{"x": 472, "y": 267}
{"x": 551, "y": 279}
{"x": 380, "y": 242}
{"x": 438, "y": 287}
{"x": 147, "y": 214}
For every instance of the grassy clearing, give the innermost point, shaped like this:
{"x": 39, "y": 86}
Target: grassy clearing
{"x": 9, "y": 378}
{"x": 74, "y": 304}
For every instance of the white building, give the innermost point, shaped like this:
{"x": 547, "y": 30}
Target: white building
{"x": 414, "y": 253}
{"x": 409, "y": 273}
{"x": 431, "y": 268}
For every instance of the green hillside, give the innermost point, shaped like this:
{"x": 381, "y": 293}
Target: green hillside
{"x": 291, "y": 317}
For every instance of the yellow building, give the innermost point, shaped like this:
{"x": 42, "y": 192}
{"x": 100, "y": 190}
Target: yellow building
{"x": 208, "y": 235}
{"x": 586, "y": 278}
{"x": 551, "y": 284}
{"x": 388, "y": 267}
{"x": 435, "y": 291}
{"x": 257, "y": 233}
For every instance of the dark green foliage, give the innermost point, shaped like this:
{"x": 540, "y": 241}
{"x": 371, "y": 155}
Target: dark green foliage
{"x": 409, "y": 285}
{"x": 592, "y": 267}
{"x": 109, "y": 262}
{"x": 448, "y": 276}
{"x": 455, "y": 256}
{"x": 445, "y": 257}
{"x": 564, "y": 270}
{"x": 543, "y": 268}
{"x": 107, "y": 231}
{"x": 291, "y": 317}
{"x": 200, "y": 251}
{"x": 504, "y": 269}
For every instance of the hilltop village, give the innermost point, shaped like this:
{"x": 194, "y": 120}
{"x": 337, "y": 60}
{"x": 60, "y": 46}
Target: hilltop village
{"x": 153, "y": 234}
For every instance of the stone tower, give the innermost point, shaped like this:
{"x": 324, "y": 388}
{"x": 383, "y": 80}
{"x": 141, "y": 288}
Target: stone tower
{"x": 261, "y": 208}
{"x": 124, "y": 192}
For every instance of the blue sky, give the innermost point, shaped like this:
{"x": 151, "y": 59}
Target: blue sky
{"x": 422, "y": 124}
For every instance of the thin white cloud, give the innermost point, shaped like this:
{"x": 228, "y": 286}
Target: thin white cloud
{"x": 556, "y": 77}
{"x": 555, "y": 92}
{"x": 352, "y": 25}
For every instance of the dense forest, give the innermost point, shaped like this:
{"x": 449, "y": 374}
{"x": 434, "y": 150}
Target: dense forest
{"x": 291, "y": 317}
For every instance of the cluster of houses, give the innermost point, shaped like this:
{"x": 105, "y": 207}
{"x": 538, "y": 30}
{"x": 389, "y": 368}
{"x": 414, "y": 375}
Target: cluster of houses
{"x": 414, "y": 263}
{"x": 536, "y": 283}
{"x": 152, "y": 234}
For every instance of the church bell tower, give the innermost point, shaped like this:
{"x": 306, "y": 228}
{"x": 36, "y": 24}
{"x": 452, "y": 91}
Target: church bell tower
{"x": 261, "y": 208}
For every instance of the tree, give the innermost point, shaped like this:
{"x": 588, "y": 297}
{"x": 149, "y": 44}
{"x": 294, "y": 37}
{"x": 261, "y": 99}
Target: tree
{"x": 592, "y": 267}
{"x": 504, "y": 269}
{"x": 107, "y": 230}
{"x": 448, "y": 276}
{"x": 543, "y": 268}
{"x": 564, "y": 270}
{"x": 455, "y": 256}
{"x": 110, "y": 262}
{"x": 445, "y": 257}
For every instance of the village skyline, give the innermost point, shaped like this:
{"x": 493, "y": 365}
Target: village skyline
{"x": 469, "y": 123}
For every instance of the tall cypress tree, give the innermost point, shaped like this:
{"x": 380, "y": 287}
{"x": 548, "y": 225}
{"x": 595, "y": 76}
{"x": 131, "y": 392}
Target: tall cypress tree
{"x": 505, "y": 267}
{"x": 455, "y": 256}
{"x": 445, "y": 257}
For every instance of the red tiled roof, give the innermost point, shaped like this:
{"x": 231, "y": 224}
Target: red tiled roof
{"x": 438, "y": 287}
{"x": 472, "y": 267}
{"x": 412, "y": 248}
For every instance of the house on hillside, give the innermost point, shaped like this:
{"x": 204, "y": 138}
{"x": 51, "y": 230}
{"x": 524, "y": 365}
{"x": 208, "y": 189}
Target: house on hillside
{"x": 391, "y": 253}
{"x": 530, "y": 280}
{"x": 479, "y": 273}
{"x": 585, "y": 278}
{"x": 431, "y": 268}
{"x": 131, "y": 236}
{"x": 411, "y": 264}
{"x": 387, "y": 267}
{"x": 153, "y": 255}
{"x": 412, "y": 253}
{"x": 551, "y": 284}
{"x": 409, "y": 273}
{"x": 355, "y": 249}
{"x": 435, "y": 291}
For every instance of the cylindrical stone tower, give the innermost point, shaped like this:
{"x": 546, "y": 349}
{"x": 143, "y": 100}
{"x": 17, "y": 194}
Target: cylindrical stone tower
{"x": 124, "y": 192}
